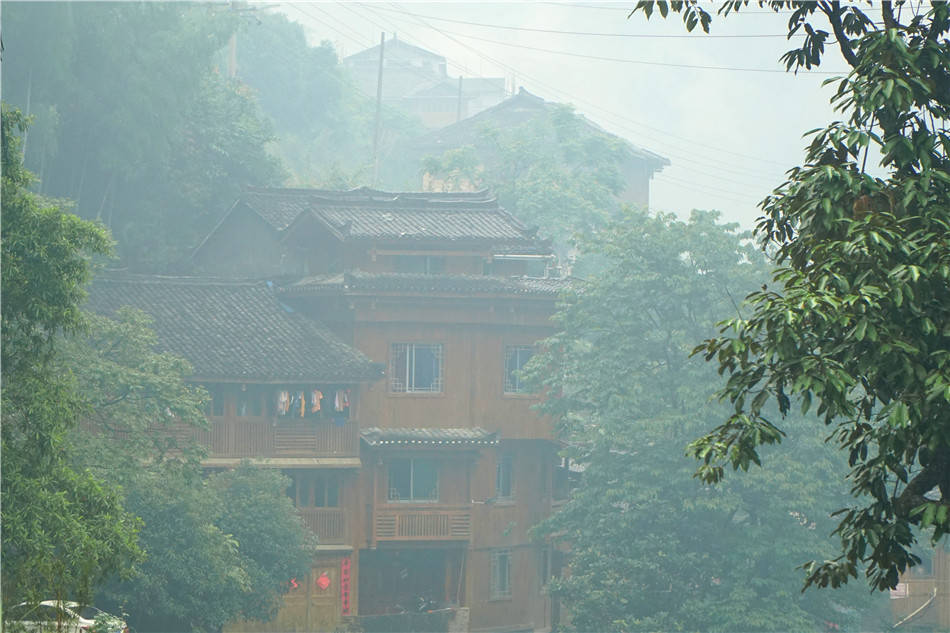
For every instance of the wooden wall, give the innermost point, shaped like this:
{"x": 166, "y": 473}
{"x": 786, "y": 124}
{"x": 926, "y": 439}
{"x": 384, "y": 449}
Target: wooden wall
{"x": 473, "y": 380}
{"x": 243, "y": 246}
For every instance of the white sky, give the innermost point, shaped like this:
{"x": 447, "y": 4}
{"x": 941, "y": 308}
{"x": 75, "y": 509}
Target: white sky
{"x": 729, "y": 134}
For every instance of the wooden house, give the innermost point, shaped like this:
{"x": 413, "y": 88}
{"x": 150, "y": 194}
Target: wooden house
{"x": 419, "y": 311}
{"x": 637, "y": 168}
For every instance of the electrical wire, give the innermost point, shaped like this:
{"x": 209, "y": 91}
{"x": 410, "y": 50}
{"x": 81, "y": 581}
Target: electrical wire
{"x": 625, "y": 60}
{"x": 626, "y": 121}
{"x": 698, "y": 36}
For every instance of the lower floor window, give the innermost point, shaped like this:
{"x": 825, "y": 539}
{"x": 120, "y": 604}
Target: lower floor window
{"x": 413, "y": 480}
{"x": 500, "y": 574}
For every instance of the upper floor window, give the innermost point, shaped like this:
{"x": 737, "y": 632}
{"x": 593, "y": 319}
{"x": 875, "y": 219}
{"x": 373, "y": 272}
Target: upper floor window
{"x": 416, "y": 367}
{"x": 500, "y": 574}
{"x": 311, "y": 489}
{"x": 413, "y": 480}
{"x": 516, "y": 357}
{"x": 422, "y": 264}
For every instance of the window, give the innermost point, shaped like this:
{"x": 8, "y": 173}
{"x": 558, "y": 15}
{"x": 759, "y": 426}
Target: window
{"x": 416, "y": 367}
{"x": 311, "y": 489}
{"x": 413, "y": 480}
{"x": 504, "y": 488}
{"x": 516, "y": 357}
{"x": 500, "y": 574}
{"x": 250, "y": 401}
{"x": 215, "y": 405}
{"x": 544, "y": 567}
{"x": 420, "y": 264}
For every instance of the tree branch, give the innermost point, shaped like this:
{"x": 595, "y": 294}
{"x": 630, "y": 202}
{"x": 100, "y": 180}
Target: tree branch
{"x": 833, "y": 12}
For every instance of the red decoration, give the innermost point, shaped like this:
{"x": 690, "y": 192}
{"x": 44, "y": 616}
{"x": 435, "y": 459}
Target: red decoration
{"x": 293, "y": 583}
{"x": 323, "y": 581}
{"x": 345, "y": 586}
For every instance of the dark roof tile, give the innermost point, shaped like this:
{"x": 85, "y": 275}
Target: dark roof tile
{"x": 232, "y": 330}
{"x": 363, "y": 282}
{"x": 459, "y": 437}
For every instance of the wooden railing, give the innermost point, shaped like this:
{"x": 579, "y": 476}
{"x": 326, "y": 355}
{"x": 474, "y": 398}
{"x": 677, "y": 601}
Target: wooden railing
{"x": 329, "y": 524}
{"x": 422, "y": 523}
{"x": 261, "y": 437}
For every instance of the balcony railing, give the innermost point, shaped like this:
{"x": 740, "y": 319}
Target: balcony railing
{"x": 422, "y": 523}
{"x": 261, "y": 437}
{"x": 329, "y": 524}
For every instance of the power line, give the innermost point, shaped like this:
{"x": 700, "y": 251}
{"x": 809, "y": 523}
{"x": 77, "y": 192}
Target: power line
{"x": 634, "y": 61}
{"x": 592, "y": 105}
{"x": 700, "y": 36}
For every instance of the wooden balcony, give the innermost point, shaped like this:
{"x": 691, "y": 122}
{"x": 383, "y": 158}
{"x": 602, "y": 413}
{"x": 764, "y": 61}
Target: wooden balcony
{"x": 262, "y": 437}
{"x": 329, "y": 524}
{"x": 422, "y": 523}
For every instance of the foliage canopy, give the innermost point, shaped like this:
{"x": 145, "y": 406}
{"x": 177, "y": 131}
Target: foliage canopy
{"x": 649, "y": 548}
{"x": 855, "y": 323}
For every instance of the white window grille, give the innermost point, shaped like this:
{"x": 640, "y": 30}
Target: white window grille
{"x": 500, "y": 574}
{"x": 416, "y": 368}
{"x": 516, "y": 357}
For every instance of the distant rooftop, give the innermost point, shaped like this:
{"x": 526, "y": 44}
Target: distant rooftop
{"x": 374, "y": 215}
{"x": 516, "y": 110}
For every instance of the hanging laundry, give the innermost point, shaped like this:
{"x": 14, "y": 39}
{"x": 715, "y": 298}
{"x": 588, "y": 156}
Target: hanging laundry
{"x": 346, "y": 399}
{"x": 315, "y": 397}
{"x": 301, "y": 403}
{"x": 283, "y": 402}
{"x": 338, "y": 400}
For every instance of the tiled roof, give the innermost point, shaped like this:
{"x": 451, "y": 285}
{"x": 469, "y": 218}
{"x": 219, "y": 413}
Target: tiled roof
{"x": 461, "y": 437}
{"x": 234, "y": 330}
{"x": 361, "y": 282}
{"x": 437, "y": 217}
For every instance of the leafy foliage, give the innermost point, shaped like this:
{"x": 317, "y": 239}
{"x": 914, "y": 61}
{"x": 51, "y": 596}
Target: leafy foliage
{"x": 131, "y": 88}
{"x": 649, "y": 548}
{"x": 856, "y": 322}
{"x": 553, "y": 172}
{"x": 217, "y": 549}
{"x": 64, "y": 530}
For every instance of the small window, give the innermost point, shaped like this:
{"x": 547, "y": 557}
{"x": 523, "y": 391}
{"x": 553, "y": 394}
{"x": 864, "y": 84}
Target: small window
{"x": 416, "y": 368}
{"x": 544, "y": 567}
{"x": 504, "y": 468}
{"x": 413, "y": 480}
{"x": 215, "y": 406}
{"x": 516, "y": 357}
{"x": 420, "y": 264}
{"x": 311, "y": 489}
{"x": 500, "y": 574}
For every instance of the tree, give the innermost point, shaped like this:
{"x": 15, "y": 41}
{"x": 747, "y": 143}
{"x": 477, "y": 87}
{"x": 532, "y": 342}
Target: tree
{"x": 856, "y": 319}
{"x": 649, "y": 548}
{"x": 553, "y": 171}
{"x": 167, "y": 141}
{"x": 218, "y": 548}
{"x": 64, "y": 530}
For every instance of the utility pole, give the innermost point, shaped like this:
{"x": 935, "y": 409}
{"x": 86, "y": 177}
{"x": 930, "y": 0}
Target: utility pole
{"x": 379, "y": 109}
{"x": 458, "y": 116}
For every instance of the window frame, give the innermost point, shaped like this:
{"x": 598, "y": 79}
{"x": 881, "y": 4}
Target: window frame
{"x": 497, "y": 589}
{"x": 515, "y": 388}
{"x": 408, "y": 385}
{"x": 505, "y": 462}
{"x": 412, "y": 474}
